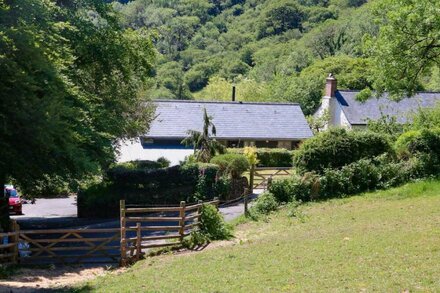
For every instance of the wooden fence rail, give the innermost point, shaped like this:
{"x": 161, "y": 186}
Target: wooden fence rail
{"x": 262, "y": 176}
{"x": 9, "y": 245}
{"x": 140, "y": 229}
{"x": 71, "y": 245}
{"x": 170, "y": 225}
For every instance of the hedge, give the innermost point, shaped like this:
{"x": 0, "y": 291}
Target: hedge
{"x": 269, "y": 157}
{"x": 150, "y": 187}
{"x": 338, "y": 147}
{"x": 231, "y": 164}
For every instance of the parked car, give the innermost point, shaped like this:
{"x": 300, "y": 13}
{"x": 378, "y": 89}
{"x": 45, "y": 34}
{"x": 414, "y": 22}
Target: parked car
{"x": 15, "y": 203}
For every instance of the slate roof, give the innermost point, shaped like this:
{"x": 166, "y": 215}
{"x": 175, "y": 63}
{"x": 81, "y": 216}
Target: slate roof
{"x": 358, "y": 113}
{"x": 233, "y": 120}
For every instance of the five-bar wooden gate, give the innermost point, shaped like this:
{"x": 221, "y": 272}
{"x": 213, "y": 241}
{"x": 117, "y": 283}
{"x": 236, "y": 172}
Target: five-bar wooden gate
{"x": 70, "y": 246}
{"x": 154, "y": 227}
{"x": 262, "y": 175}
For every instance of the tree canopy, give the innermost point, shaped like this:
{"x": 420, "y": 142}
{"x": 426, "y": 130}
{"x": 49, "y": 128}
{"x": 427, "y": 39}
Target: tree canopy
{"x": 71, "y": 80}
{"x": 406, "y": 52}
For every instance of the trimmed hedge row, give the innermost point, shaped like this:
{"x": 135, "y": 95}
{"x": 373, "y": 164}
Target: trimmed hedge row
{"x": 338, "y": 147}
{"x": 269, "y": 157}
{"x": 149, "y": 187}
{"x": 364, "y": 175}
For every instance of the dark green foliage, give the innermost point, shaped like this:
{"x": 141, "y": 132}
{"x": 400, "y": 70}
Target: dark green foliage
{"x": 270, "y": 157}
{"x": 190, "y": 182}
{"x": 279, "y": 17}
{"x": 70, "y": 79}
{"x": 294, "y": 188}
{"x": 212, "y": 224}
{"x": 264, "y": 42}
{"x": 132, "y": 165}
{"x": 387, "y": 125}
{"x": 363, "y": 175}
{"x": 231, "y": 164}
{"x": 284, "y": 191}
{"x": 422, "y": 144}
{"x": 407, "y": 47}
{"x": 338, "y": 147}
{"x": 264, "y": 205}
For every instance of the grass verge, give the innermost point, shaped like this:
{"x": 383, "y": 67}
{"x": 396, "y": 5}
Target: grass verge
{"x": 381, "y": 241}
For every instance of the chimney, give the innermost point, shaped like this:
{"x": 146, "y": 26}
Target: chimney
{"x": 330, "y": 86}
{"x": 233, "y": 93}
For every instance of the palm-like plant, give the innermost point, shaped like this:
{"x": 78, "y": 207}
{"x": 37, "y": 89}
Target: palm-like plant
{"x": 205, "y": 146}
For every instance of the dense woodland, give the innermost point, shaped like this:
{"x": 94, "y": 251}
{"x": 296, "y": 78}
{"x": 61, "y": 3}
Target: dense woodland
{"x": 271, "y": 50}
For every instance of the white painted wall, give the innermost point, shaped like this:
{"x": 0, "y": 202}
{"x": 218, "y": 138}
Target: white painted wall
{"x": 337, "y": 115}
{"x": 133, "y": 150}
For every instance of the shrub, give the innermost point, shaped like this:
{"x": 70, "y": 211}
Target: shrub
{"x": 423, "y": 144}
{"x": 338, "y": 147}
{"x": 264, "y": 204}
{"x": 231, "y": 164}
{"x": 284, "y": 190}
{"x": 171, "y": 185}
{"x": 212, "y": 224}
{"x": 269, "y": 157}
{"x": 140, "y": 164}
{"x": 303, "y": 188}
{"x": 364, "y": 175}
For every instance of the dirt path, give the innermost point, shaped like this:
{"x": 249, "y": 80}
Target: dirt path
{"x": 50, "y": 279}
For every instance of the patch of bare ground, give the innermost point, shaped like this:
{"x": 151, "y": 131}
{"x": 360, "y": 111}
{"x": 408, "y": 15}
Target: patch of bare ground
{"x": 51, "y": 279}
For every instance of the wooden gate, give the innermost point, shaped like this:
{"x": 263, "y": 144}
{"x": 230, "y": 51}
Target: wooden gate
{"x": 153, "y": 227}
{"x": 9, "y": 245}
{"x": 70, "y": 246}
{"x": 263, "y": 175}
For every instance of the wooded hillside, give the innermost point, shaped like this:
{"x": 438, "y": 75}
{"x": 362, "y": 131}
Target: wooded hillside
{"x": 272, "y": 50}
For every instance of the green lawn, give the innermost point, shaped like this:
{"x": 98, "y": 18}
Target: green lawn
{"x": 384, "y": 241}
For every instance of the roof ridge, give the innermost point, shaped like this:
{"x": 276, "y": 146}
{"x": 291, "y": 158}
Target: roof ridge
{"x": 418, "y": 92}
{"x": 224, "y": 102}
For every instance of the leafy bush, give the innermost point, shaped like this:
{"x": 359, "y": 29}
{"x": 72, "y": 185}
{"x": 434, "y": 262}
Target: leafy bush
{"x": 295, "y": 188}
{"x": 171, "y": 185}
{"x": 364, "y": 175}
{"x": 140, "y": 164}
{"x": 212, "y": 224}
{"x": 269, "y": 157}
{"x": 338, "y": 147}
{"x": 284, "y": 190}
{"x": 231, "y": 164}
{"x": 265, "y": 203}
{"x": 423, "y": 144}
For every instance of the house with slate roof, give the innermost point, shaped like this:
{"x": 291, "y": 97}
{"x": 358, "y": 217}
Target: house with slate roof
{"x": 345, "y": 111}
{"x": 238, "y": 124}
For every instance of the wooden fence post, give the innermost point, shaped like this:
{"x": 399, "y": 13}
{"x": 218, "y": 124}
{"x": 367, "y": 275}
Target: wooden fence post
{"x": 123, "y": 234}
{"x": 182, "y": 220}
{"x": 138, "y": 241}
{"x": 16, "y": 237}
{"x": 251, "y": 179}
{"x": 199, "y": 211}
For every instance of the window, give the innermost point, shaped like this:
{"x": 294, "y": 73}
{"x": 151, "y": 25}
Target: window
{"x": 234, "y": 144}
{"x": 266, "y": 144}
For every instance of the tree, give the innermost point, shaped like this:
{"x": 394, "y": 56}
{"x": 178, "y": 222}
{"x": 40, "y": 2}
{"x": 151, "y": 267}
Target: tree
{"x": 70, "y": 79}
{"x": 205, "y": 146}
{"x": 280, "y": 17}
{"x": 407, "y": 47}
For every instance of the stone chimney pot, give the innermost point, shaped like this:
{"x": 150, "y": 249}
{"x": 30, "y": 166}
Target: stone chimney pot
{"x": 330, "y": 86}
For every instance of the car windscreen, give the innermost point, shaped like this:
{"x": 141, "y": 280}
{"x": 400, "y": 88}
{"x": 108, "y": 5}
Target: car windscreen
{"x": 12, "y": 192}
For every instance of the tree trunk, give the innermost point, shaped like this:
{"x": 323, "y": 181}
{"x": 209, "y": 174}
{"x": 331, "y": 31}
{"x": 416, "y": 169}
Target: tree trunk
{"x": 4, "y": 206}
